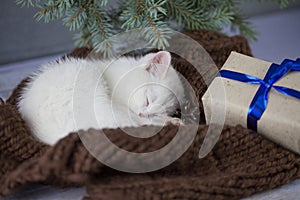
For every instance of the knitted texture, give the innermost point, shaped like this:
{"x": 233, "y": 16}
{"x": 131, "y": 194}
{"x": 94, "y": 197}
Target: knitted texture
{"x": 241, "y": 163}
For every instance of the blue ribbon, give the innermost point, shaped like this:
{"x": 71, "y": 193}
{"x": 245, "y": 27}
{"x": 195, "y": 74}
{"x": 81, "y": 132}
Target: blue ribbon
{"x": 260, "y": 100}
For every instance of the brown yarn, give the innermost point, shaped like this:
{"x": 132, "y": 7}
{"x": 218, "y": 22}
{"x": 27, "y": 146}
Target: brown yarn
{"x": 242, "y": 162}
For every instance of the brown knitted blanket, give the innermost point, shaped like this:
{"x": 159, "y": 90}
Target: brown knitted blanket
{"x": 241, "y": 163}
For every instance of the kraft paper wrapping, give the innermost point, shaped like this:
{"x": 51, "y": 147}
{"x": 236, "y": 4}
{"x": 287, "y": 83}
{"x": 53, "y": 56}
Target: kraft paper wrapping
{"x": 281, "y": 120}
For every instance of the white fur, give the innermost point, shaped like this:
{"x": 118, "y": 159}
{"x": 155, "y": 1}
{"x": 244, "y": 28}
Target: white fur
{"x": 127, "y": 92}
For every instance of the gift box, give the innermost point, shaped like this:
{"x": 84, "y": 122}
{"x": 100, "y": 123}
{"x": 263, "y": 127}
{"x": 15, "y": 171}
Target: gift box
{"x": 259, "y": 95}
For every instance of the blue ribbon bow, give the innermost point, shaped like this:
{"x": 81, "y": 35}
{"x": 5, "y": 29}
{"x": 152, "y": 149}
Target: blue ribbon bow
{"x": 260, "y": 100}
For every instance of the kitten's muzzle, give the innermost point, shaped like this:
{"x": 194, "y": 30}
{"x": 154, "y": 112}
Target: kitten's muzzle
{"x": 144, "y": 115}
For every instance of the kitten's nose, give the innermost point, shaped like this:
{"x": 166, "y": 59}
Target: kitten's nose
{"x": 143, "y": 115}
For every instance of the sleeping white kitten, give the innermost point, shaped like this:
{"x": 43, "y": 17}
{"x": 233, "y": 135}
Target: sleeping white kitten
{"x": 139, "y": 91}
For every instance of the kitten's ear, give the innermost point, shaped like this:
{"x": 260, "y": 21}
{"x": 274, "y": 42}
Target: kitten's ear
{"x": 159, "y": 64}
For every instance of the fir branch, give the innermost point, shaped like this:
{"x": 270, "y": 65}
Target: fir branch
{"x": 49, "y": 11}
{"x": 76, "y": 17}
{"x": 27, "y": 3}
{"x": 193, "y": 18}
{"x": 101, "y": 30}
{"x": 101, "y": 21}
{"x": 148, "y": 17}
{"x": 94, "y": 22}
{"x": 157, "y": 33}
{"x": 102, "y": 3}
{"x": 244, "y": 27}
{"x": 83, "y": 38}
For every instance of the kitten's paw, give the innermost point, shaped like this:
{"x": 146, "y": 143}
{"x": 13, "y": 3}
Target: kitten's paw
{"x": 174, "y": 121}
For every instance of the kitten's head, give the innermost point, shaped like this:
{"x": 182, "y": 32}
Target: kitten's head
{"x": 162, "y": 89}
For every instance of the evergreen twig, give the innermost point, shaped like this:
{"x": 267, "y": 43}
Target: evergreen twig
{"x": 94, "y": 21}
